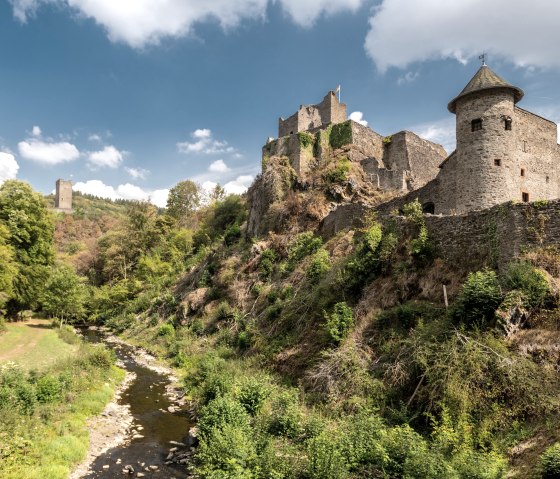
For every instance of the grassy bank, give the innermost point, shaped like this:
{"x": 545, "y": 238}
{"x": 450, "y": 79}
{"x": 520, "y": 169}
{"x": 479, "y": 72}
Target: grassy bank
{"x": 43, "y": 412}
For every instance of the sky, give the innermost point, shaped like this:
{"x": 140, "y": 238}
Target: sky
{"x": 127, "y": 98}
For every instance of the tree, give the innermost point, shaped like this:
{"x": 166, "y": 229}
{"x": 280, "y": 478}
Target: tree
{"x": 184, "y": 199}
{"x": 8, "y": 266}
{"x": 30, "y": 234}
{"x": 64, "y": 294}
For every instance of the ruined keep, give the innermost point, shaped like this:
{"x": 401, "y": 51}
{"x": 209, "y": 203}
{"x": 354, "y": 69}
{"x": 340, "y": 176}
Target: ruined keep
{"x": 63, "y": 195}
{"x": 401, "y": 162}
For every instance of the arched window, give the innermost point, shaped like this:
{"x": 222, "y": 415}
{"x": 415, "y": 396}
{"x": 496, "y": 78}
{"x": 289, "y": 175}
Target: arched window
{"x": 507, "y": 122}
{"x": 429, "y": 208}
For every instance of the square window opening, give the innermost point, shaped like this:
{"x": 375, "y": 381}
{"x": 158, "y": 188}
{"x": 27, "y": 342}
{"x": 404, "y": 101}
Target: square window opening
{"x": 476, "y": 124}
{"x": 497, "y": 162}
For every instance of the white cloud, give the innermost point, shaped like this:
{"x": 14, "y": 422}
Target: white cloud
{"x": 36, "y": 131}
{"x": 358, "y": 117}
{"x": 96, "y": 188}
{"x": 125, "y": 191}
{"x": 408, "y": 77}
{"x": 108, "y": 157}
{"x": 205, "y": 144}
{"x": 159, "y": 197}
{"x": 219, "y": 166}
{"x": 137, "y": 173}
{"x": 132, "y": 192}
{"x": 406, "y": 31}
{"x": 8, "y": 167}
{"x": 48, "y": 152}
{"x": 95, "y": 137}
{"x": 239, "y": 185}
{"x": 143, "y": 22}
{"x": 440, "y": 131}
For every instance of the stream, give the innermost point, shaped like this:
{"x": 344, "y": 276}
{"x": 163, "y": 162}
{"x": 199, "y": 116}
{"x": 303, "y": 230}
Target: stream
{"x": 158, "y": 430}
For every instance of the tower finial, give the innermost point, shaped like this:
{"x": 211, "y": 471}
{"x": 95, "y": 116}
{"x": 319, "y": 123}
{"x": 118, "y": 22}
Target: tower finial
{"x": 483, "y": 57}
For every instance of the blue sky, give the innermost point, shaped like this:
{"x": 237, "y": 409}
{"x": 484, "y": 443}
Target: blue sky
{"x": 127, "y": 98}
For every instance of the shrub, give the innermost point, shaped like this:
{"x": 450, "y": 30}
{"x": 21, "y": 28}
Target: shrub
{"x": 338, "y": 174}
{"x": 252, "y": 395}
{"x": 326, "y": 458}
{"x": 305, "y": 139}
{"x": 217, "y": 384}
{"x": 339, "y": 322}
{"x": 479, "y": 299}
{"x": 67, "y": 334}
{"x": 523, "y": 276}
{"x": 221, "y": 412}
{"x": 286, "y": 415}
{"x": 320, "y": 265}
{"x": 266, "y": 264}
{"x": 232, "y": 235}
{"x": 167, "y": 330}
{"x": 304, "y": 245}
{"x": 550, "y": 462}
{"x": 341, "y": 134}
{"x": 48, "y": 389}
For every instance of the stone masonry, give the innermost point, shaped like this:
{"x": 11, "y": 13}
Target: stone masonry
{"x": 63, "y": 195}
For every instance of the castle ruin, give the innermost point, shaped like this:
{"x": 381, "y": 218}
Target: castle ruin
{"x": 63, "y": 195}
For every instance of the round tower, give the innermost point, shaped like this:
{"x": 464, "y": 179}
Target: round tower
{"x": 485, "y": 144}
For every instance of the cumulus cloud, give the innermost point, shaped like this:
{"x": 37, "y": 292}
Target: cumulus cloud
{"x": 8, "y": 167}
{"x": 142, "y": 22}
{"x": 95, "y": 137}
{"x": 239, "y": 185}
{"x": 137, "y": 173}
{"x": 108, "y": 157}
{"x": 48, "y": 152}
{"x": 36, "y": 131}
{"x": 358, "y": 117}
{"x": 125, "y": 191}
{"x": 440, "y": 131}
{"x": 219, "y": 166}
{"x": 462, "y": 29}
{"x": 204, "y": 144}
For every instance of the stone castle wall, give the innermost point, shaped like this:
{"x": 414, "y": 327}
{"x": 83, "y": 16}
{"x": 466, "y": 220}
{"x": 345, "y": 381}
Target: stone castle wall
{"x": 490, "y": 237}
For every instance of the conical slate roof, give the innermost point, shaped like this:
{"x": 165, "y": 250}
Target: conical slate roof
{"x": 485, "y": 79}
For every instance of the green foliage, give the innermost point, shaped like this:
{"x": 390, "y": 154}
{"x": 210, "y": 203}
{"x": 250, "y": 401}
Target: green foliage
{"x": 266, "y": 263}
{"x": 166, "y": 330}
{"x": 341, "y": 134}
{"x": 305, "y": 139}
{"x": 304, "y": 245}
{"x": 230, "y": 212}
{"x": 387, "y": 140}
{"x": 320, "y": 265}
{"x": 480, "y": 297}
{"x": 232, "y": 235}
{"x": 339, "y": 322}
{"x": 64, "y": 294}
{"x": 183, "y": 200}
{"x": 550, "y": 462}
{"x": 220, "y": 412}
{"x": 339, "y": 173}
{"x": 49, "y": 389}
{"x": 419, "y": 246}
{"x": 523, "y": 276}
{"x": 286, "y": 417}
{"x": 326, "y": 458}
{"x": 252, "y": 394}
{"x": 8, "y": 266}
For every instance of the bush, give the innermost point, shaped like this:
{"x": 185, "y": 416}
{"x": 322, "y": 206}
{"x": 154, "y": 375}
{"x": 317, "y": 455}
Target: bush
{"x": 338, "y": 174}
{"x": 341, "y": 134}
{"x": 48, "y": 389}
{"x": 550, "y": 462}
{"x": 232, "y": 235}
{"x": 166, "y": 330}
{"x": 339, "y": 322}
{"x": 266, "y": 264}
{"x": 222, "y": 411}
{"x": 67, "y": 334}
{"x": 320, "y": 265}
{"x": 523, "y": 276}
{"x": 304, "y": 245}
{"x": 326, "y": 458}
{"x": 479, "y": 299}
{"x": 252, "y": 395}
{"x": 286, "y": 415}
{"x": 100, "y": 357}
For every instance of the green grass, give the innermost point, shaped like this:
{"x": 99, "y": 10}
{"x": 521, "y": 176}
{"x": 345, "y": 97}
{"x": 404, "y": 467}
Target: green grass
{"x": 33, "y": 345}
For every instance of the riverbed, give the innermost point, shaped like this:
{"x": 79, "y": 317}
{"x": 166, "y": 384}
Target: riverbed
{"x": 156, "y": 437}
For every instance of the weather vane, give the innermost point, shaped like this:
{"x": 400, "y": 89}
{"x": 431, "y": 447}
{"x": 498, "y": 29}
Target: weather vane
{"x": 483, "y": 58}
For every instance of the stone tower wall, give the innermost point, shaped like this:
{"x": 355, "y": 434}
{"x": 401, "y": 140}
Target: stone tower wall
{"x": 63, "y": 196}
{"x": 483, "y": 184}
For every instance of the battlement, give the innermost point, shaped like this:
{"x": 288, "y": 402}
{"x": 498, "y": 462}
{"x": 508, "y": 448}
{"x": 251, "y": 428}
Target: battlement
{"x": 310, "y": 117}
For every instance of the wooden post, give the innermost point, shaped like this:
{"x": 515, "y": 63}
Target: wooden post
{"x": 445, "y": 296}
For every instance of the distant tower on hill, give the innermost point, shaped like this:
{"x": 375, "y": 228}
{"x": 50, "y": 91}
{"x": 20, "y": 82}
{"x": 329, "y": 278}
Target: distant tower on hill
{"x": 63, "y": 196}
